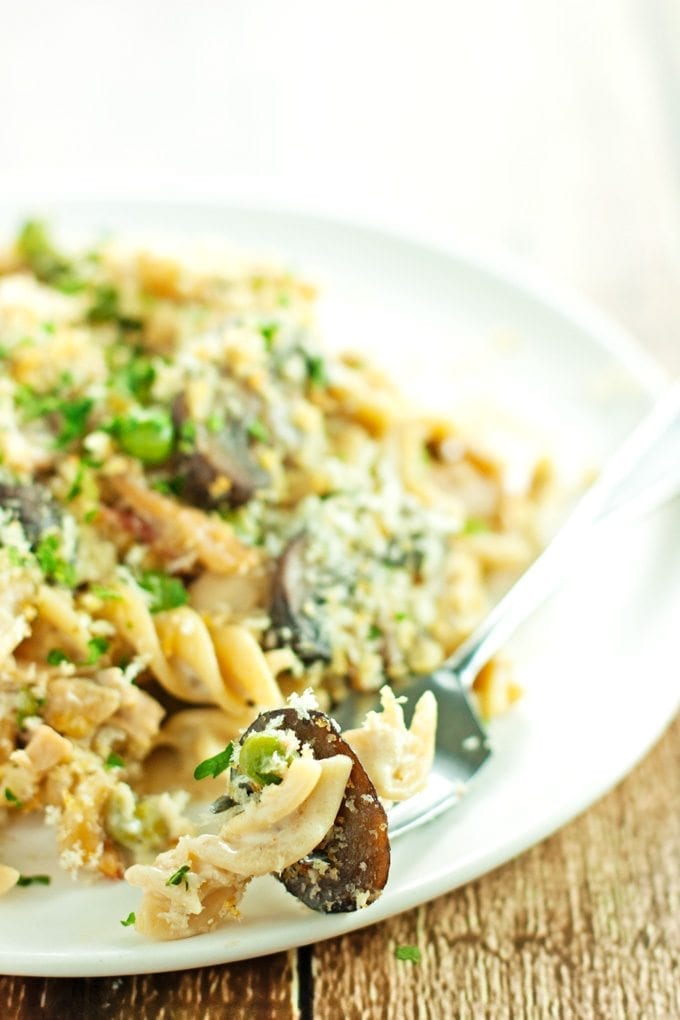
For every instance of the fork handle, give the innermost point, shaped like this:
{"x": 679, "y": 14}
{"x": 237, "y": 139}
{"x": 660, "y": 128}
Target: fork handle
{"x": 545, "y": 573}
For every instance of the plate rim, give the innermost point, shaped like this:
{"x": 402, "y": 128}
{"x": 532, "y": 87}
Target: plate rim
{"x": 492, "y": 259}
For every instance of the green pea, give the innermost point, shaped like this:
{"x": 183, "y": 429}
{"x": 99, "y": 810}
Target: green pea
{"x": 255, "y": 758}
{"x": 147, "y": 434}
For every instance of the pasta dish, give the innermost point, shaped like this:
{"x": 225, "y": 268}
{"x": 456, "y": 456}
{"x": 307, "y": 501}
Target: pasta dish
{"x": 211, "y": 529}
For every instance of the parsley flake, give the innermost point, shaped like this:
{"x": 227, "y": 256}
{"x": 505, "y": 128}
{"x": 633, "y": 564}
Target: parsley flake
{"x": 77, "y": 483}
{"x": 135, "y": 376}
{"x": 35, "y": 247}
{"x": 474, "y": 526}
{"x": 258, "y": 430}
{"x": 105, "y": 307}
{"x": 96, "y": 647}
{"x": 166, "y": 592}
{"x": 74, "y": 415}
{"x": 17, "y": 558}
{"x": 411, "y": 953}
{"x": 56, "y": 656}
{"x": 374, "y": 632}
{"x": 215, "y": 423}
{"x": 53, "y": 565}
{"x": 130, "y": 919}
{"x": 215, "y": 765}
{"x": 316, "y": 370}
{"x": 187, "y": 436}
{"x": 12, "y": 798}
{"x": 27, "y": 706}
{"x": 268, "y": 333}
{"x": 107, "y": 594}
{"x": 180, "y": 876}
{"x": 70, "y": 416}
{"x": 114, "y": 761}
{"x": 25, "y": 880}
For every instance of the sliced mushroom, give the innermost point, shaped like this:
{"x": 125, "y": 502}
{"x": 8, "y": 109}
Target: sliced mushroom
{"x": 219, "y": 470}
{"x": 349, "y": 867}
{"x": 292, "y": 607}
{"x": 32, "y": 505}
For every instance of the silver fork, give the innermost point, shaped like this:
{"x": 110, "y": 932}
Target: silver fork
{"x": 462, "y": 747}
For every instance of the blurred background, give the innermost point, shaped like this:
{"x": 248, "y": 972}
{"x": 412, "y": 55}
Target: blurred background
{"x": 548, "y": 128}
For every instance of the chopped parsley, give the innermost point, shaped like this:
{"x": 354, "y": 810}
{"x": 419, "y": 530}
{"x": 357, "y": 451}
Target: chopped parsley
{"x": 107, "y": 594}
{"x": 411, "y": 953}
{"x": 374, "y": 632}
{"x": 258, "y": 430}
{"x": 180, "y": 876}
{"x": 12, "y": 798}
{"x": 96, "y": 647}
{"x": 17, "y": 558}
{"x": 24, "y": 880}
{"x": 134, "y": 376}
{"x": 71, "y": 414}
{"x": 33, "y": 404}
{"x": 35, "y": 247}
{"x": 53, "y": 565}
{"x": 316, "y": 370}
{"x": 77, "y": 483}
{"x": 215, "y": 423}
{"x": 268, "y": 332}
{"x": 74, "y": 416}
{"x": 27, "y": 706}
{"x": 474, "y": 526}
{"x": 215, "y": 765}
{"x": 170, "y": 486}
{"x": 166, "y": 592}
{"x": 130, "y": 919}
{"x": 105, "y": 307}
{"x": 114, "y": 761}
{"x": 56, "y": 656}
{"x": 187, "y": 436}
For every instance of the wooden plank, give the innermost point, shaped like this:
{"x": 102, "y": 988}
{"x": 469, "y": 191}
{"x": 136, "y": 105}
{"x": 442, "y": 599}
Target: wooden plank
{"x": 587, "y": 924}
{"x": 259, "y": 988}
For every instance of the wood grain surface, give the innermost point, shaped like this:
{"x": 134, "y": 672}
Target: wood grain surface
{"x": 572, "y": 157}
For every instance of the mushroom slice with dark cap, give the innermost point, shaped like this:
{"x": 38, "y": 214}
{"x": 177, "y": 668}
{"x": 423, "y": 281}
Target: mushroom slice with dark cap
{"x": 219, "y": 469}
{"x": 292, "y": 605}
{"x": 350, "y": 866}
{"x": 32, "y": 505}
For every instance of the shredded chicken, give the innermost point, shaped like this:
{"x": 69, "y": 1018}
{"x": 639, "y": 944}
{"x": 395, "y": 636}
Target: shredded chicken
{"x": 397, "y": 759}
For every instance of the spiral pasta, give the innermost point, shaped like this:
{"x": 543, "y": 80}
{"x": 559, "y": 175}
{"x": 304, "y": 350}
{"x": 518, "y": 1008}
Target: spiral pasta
{"x": 223, "y": 665}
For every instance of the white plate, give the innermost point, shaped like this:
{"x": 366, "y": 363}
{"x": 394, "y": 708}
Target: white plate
{"x": 594, "y": 662}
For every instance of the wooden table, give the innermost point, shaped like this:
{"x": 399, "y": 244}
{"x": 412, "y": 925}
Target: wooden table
{"x": 573, "y": 158}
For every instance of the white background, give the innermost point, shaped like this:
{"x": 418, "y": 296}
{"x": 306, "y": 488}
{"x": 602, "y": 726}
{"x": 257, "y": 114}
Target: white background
{"x": 473, "y": 117}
